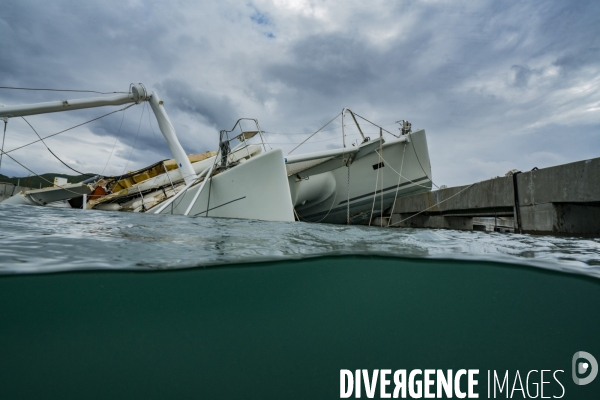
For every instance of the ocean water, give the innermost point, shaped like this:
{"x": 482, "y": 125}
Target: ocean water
{"x": 282, "y": 308}
{"x": 36, "y": 239}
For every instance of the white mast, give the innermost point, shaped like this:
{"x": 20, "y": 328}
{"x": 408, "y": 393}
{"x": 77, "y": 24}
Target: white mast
{"x": 168, "y": 131}
{"x": 137, "y": 95}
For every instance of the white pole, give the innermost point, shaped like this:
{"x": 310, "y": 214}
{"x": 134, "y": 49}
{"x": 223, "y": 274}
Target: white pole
{"x": 84, "y": 207}
{"x": 193, "y": 202}
{"x": 181, "y": 192}
{"x": 138, "y": 93}
{"x": 168, "y": 131}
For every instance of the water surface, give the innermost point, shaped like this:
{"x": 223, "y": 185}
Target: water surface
{"x": 36, "y": 239}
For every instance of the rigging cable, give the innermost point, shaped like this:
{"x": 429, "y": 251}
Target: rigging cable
{"x": 134, "y": 142}
{"x": 300, "y": 133}
{"x": 2, "y": 152}
{"x": 113, "y": 148}
{"x": 372, "y": 123}
{"x": 322, "y": 130}
{"x": 317, "y": 141}
{"x": 51, "y": 152}
{"x": 39, "y": 176}
{"x": 413, "y": 147}
{"x": 59, "y": 90}
{"x": 73, "y": 127}
{"x": 156, "y": 143}
{"x": 332, "y": 119}
{"x": 3, "y": 137}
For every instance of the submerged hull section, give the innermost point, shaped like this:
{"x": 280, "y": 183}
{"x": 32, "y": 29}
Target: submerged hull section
{"x": 328, "y": 197}
{"x": 47, "y": 196}
{"x": 255, "y": 189}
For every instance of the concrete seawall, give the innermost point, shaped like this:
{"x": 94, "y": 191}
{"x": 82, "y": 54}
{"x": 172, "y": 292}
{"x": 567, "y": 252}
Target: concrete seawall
{"x": 563, "y": 199}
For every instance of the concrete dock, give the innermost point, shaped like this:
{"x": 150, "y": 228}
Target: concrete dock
{"x": 559, "y": 200}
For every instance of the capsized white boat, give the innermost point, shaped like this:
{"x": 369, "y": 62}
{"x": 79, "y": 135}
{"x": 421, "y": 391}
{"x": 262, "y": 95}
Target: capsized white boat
{"x": 244, "y": 179}
{"x": 253, "y": 185}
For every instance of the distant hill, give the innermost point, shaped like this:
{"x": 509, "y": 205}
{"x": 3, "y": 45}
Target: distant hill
{"x": 34, "y": 181}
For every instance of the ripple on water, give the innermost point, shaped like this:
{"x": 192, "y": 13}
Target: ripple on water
{"x": 36, "y": 239}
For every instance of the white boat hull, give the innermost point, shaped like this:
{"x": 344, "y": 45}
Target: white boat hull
{"x": 324, "y": 197}
{"x": 255, "y": 189}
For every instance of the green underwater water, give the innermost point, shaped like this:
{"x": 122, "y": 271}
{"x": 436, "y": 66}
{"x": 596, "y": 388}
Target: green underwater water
{"x": 285, "y": 329}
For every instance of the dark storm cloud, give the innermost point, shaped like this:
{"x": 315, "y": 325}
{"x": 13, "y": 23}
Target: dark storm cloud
{"x": 522, "y": 75}
{"x": 62, "y": 44}
{"x": 575, "y": 60}
{"x": 418, "y": 71}
{"x": 491, "y": 81}
{"x": 216, "y": 110}
{"x": 68, "y": 45}
{"x": 461, "y": 74}
{"x": 325, "y": 64}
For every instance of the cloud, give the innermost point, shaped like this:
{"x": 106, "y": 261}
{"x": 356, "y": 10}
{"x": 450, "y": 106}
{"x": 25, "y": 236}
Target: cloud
{"x": 522, "y": 75}
{"x": 260, "y": 17}
{"x": 216, "y": 110}
{"x": 575, "y": 60}
{"x": 491, "y": 82}
{"x": 325, "y": 64}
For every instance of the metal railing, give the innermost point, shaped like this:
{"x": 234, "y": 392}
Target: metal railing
{"x": 243, "y": 136}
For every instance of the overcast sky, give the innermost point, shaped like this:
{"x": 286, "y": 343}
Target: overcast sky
{"x": 496, "y": 85}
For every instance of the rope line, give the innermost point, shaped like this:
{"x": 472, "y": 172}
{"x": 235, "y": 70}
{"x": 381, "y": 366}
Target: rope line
{"x": 348, "y": 200}
{"x": 399, "y": 181}
{"x": 330, "y": 208}
{"x": 377, "y": 183}
{"x": 429, "y": 208}
{"x": 413, "y": 182}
